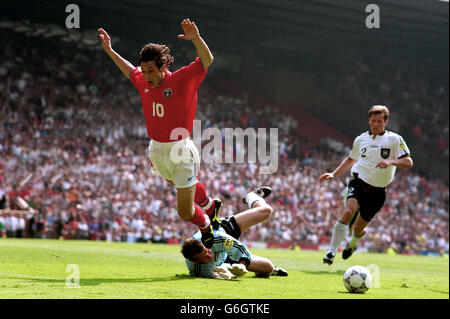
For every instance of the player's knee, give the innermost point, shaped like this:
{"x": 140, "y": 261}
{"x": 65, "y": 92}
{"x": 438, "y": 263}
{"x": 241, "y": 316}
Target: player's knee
{"x": 268, "y": 268}
{"x": 186, "y": 214}
{"x": 266, "y": 265}
{"x": 347, "y": 216}
{"x": 267, "y": 211}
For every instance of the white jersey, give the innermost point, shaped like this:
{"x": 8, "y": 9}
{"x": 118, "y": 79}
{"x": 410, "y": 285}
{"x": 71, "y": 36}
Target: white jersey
{"x": 368, "y": 152}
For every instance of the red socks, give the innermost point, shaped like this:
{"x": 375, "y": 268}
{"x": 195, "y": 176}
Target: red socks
{"x": 200, "y": 219}
{"x": 203, "y": 200}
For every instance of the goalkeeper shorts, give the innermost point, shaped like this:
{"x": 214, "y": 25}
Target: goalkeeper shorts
{"x": 231, "y": 227}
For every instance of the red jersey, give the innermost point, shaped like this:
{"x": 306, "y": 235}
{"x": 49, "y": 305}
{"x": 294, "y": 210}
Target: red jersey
{"x": 173, "y": 103}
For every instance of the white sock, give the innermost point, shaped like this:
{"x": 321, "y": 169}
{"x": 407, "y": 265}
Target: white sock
{"x": 252, "y": 198}
{"x": 354, "y": 240}
{"x": 207, "y": 206}
{"x": 207, "y": 222}
{"x": 338, "y": 236}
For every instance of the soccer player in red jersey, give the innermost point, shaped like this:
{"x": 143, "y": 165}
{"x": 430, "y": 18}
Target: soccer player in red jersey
{"x": 169, "y": 102}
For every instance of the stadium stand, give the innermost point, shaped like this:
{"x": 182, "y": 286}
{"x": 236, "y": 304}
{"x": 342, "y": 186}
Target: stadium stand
{"x": 73, "y": 146}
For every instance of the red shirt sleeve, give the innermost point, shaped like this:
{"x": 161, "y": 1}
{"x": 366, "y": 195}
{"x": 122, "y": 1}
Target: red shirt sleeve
{"x": 137, "y": 78}
{"x": 195, "y": 72}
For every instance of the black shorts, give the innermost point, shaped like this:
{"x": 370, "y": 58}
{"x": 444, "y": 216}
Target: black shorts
{"x": 370, "y": 199}
{"x": 231, "y": 227}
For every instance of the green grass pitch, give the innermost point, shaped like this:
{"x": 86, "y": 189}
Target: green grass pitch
{"x": 37, "y": 269}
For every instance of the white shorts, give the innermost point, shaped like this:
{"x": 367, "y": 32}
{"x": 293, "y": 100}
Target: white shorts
{"x": 177, "y": 161}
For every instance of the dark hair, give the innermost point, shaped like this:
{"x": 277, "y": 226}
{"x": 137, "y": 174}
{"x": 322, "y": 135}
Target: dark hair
{"x": 159, "y": 53}
{"x": 190, "y": 248}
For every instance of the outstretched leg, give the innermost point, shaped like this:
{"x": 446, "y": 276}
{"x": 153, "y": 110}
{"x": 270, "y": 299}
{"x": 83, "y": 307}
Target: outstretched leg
{"x": 190, "y": 212}
{"x": 209, "y": 205}
{"x": 258, "y": 212}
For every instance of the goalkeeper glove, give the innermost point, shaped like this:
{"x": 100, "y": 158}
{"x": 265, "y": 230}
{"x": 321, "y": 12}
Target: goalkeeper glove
{"x": 238, "y": 269}
{"x": 221, "y": 272}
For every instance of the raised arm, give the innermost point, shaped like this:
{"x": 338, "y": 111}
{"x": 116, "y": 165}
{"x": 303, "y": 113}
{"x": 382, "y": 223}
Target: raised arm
{"x": 124, "y": 66}
{"x": 191, "y": 33}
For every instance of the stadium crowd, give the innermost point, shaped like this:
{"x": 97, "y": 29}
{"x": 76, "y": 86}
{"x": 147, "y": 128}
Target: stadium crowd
{"x": 73, "y": 144}
{"x": 416, "y": 92}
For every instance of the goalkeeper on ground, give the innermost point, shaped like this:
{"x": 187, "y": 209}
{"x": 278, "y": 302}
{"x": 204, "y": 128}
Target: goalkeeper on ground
{"x": 228, "y": 257}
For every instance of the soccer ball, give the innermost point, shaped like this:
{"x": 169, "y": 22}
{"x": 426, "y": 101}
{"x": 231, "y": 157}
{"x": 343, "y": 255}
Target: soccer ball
{"x": 357, "y": 279}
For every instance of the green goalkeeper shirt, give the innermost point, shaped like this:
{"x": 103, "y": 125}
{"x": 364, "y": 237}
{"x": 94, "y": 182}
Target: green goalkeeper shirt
{"x": 224, "y": 246}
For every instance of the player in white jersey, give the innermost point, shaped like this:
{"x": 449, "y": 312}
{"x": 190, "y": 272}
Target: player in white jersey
{"x": 228, "y": 257}
{"x": 373, "y": 160}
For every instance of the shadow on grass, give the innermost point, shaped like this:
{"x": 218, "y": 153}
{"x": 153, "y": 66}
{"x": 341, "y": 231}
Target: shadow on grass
{"x": 445, "y": 292}
{"x": 323, "y": 272}
{"x": 99, "y": 281}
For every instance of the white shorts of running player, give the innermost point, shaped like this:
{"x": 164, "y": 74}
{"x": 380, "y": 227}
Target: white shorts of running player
{"x": 177, "y": 161}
